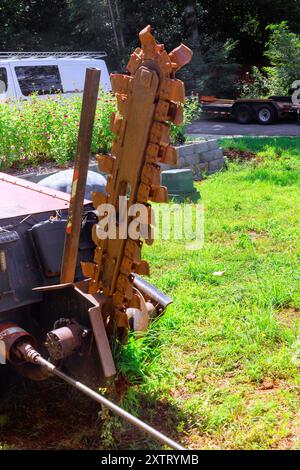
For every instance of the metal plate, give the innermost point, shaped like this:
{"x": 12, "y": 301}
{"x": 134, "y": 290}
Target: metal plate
{"x": 20, "y": 198}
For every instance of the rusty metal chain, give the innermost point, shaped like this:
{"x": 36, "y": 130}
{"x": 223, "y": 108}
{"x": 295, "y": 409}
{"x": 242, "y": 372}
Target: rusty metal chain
{"x": 148, "y": 99}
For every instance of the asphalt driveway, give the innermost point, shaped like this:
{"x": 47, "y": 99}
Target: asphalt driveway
{"x": 208, "y": 126}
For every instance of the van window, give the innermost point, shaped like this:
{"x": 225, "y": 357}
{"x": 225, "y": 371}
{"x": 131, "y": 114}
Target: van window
{"x": 40, "y": 79}
{"x": 3, "y": 80}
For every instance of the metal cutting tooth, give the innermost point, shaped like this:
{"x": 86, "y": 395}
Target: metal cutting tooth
{"x": 172, "y": 89}
{"x": 134, "y": 61}
{"x": 106, "y": 163}
{"x": 151, "y": 174}
{"x": 142, "y": 268}
{"x": 159, "y": 194}
{"x": 126, "y": 266}
{"x": 121, "y": 83}
{"x": 115, "y": 123}
{"x": 180, "y": 57}
{"x": 143, "y": 194}
{"x": 98, "y": 199}
{"x": 160, "y": 134}
{"x": 176, "y": 114}
{"x": 168, "y": 155}
{"x": 152, "y": 153}
{"x": 88, "y": 269}
{"x": 122, "y": 103}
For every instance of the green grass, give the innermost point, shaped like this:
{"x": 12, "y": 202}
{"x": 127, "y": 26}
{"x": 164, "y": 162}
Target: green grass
{"x": 209, "y": 359}
{"x": 220, "y": 369}
{"x": 280, "y": 145}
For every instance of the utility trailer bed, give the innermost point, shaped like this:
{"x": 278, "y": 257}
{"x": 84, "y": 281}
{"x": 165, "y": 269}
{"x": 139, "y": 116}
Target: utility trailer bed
{"x": 245, "y": 111}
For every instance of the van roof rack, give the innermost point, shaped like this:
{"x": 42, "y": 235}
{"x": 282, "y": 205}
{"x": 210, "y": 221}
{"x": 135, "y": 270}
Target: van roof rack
{"x": 56, "y": 55}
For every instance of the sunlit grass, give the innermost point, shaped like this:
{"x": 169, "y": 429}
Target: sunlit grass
{"x": 225, "y": 336}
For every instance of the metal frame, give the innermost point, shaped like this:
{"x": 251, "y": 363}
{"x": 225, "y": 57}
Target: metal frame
{"x": 50, "y": 55}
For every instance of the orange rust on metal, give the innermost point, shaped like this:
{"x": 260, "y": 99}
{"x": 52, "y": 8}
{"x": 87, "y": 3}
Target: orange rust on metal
{"x": 147, "y": 100}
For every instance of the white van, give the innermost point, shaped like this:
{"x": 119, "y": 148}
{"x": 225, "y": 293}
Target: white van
{"x": 47, "y": 73}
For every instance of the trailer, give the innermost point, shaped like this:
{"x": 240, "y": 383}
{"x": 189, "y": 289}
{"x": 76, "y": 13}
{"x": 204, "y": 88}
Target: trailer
{"x": 245, "y": 111}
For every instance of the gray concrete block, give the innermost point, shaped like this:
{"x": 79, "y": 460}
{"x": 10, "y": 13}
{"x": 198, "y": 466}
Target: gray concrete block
{"x": 207, "y": 156}
{"x": 212, "y": 144}
{"x": 191, "y": 159}
{"x": 215, "y": 165}
{"x": 201, "y": 147}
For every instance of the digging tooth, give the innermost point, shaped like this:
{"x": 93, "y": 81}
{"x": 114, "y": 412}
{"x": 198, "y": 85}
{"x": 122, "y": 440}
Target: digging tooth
{"x": 142, "y": 268}
{"x": 180, "y": 57}
{"x": 115, "y": 123}
{"x": 159, "y": 194}
{"x": 134, "y": 61}
{"x": 160, "y": 134}
{"x": 168, "y": 155}
{"x": 172, "y": 89}
{"x": 106, "y": 163}
{"x": 121, "y": 83}
{"x": 88, "y": 269}
{"x": 176, "y": 114}
{"x": 150, "y": 174}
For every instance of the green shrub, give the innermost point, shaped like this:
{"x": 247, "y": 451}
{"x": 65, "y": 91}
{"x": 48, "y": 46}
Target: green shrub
{"x": 37, "y": 130}
{"x": 191, "y": 112}
{"x": 44, "y": 130}
{"x": 283, "y": 53}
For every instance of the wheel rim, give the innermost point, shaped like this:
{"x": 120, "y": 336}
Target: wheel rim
{"x": 243, "y": 116}
{"x": 264, "y": 115}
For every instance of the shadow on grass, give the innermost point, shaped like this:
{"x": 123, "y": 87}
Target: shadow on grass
{"x": 52, "y": 415}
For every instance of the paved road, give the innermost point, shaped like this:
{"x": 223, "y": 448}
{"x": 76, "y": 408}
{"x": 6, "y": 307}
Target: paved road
{"x": 225, "y": 126}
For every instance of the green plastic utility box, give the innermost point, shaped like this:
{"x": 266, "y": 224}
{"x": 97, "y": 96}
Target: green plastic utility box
{"x": 180, "y": 185}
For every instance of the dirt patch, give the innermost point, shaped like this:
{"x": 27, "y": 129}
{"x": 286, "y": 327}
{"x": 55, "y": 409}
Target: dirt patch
{"x": 255, "y": 235}
{"x": 41, "y": 169}
{"x": 289, "y": 316}
{"x": 239, "y": 155}
{"x": 48, "y": 415}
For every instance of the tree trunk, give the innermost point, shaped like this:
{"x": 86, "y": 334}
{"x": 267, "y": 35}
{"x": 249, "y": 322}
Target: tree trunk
{"x": 113, "y": 23}
{"x": 191, "y": 23}
{"x": 120, "y": 24}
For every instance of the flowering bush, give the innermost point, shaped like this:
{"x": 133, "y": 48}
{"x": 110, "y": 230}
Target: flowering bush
{"x": 40, "y": 130}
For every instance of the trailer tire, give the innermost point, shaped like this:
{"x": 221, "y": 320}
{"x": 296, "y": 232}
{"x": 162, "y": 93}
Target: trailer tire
{"x": 266, "y": 114}
{"x": 243, "y": 114}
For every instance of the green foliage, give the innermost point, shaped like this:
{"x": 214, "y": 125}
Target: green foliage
{"x": 258, "y": 87}
{"x": 283, "y": 53}
{"x": 191, "y": 112}
{"x": 213, "y": 69}
{"x": 45, "y": 130}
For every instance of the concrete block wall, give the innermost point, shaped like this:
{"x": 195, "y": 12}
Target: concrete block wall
{"x": 201, "y": 157}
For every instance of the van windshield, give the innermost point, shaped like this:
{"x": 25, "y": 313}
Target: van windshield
{"x": 3, "y": 80}
{"x": 40, "y": 79}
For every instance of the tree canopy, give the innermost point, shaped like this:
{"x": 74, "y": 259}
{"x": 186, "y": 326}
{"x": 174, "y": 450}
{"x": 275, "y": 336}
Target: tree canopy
{"x": 211, "y": 27}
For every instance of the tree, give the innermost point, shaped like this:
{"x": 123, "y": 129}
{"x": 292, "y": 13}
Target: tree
{"x": 283, "y": 53}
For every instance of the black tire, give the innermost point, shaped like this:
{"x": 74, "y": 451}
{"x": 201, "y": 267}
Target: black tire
{"x": 243, "y": 114}
{"x": 266, "y": 114}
